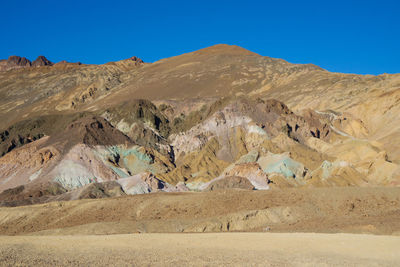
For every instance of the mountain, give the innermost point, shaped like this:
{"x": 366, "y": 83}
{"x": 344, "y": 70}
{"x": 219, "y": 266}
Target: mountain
{"x": 221, "y": 116}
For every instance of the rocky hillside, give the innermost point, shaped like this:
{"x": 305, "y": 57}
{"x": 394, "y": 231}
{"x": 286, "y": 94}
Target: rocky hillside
{"x": 220, "y": 117}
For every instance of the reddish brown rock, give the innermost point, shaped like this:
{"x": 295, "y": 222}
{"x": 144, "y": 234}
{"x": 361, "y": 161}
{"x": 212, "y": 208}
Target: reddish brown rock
{"x": 14, "y": 62}
{"x": 138, "y": 60}
{"x": 19, "y": 61}
{"x": 41, "y": 61}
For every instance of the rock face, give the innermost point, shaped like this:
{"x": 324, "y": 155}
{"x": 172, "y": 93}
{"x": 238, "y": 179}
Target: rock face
{"x": 92, "y": 131}
{"x": 41, "y": 61}
{"x": 14, "y": 62}
{"x": 19, "y": 61}
{"x": 137, "y": 60}
{"x": 221, "y": 117}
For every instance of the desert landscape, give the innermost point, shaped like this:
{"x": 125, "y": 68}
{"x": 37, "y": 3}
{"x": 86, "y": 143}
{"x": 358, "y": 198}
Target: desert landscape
{"x": 276, "y": 164}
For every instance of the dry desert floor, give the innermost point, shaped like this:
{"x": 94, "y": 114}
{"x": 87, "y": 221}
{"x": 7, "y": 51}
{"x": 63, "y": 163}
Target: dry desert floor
{"x": 207, "y": 249}
{"x": 293, "y": 227}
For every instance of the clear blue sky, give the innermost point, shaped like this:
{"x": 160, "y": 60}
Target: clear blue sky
{"x": 344, "y": 36}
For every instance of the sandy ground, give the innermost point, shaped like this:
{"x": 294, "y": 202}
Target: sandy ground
{"x": 207, "y": 249}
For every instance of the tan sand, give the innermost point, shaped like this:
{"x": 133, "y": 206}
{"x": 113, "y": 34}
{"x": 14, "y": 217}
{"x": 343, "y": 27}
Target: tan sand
{"x": 244, "y": 249}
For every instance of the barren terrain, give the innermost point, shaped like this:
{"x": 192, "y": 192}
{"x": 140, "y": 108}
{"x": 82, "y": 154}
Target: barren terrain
{"x": 325, "y": 210}
{"x": 142, "y": 229}
{"x": 232, "y": 249}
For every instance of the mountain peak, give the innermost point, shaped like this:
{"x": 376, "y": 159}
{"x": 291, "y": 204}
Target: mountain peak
{"x": 42, "y": 61}
{"x": 14, "y": 62}
{"x": 18, "y": 61}
{"x": 136, "y": 59}
{"x": 226, "y": 50}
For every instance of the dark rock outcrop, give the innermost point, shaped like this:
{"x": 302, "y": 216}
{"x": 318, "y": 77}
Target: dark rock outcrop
{"x": 41, "y": 61}
{"x": 101, "y": 190}
{"x": 136, "y": 59}
{"x": 19, "y": 61}
{"x": 230, "y": 182}
{"x": 14, "y": 62}
{"x": 92, "y": 131}
{"x": 30, "y": 194}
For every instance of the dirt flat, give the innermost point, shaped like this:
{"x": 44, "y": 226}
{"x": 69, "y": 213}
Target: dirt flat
{"x": 209, "y": 249}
